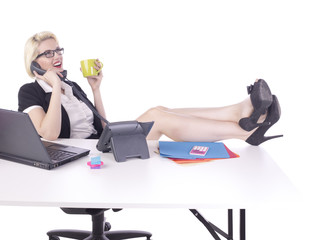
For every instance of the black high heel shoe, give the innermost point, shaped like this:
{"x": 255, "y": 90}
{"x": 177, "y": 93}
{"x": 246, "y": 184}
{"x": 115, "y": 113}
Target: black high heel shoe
{"x": 273, "y": 115}
{"x": 261, "y": 99}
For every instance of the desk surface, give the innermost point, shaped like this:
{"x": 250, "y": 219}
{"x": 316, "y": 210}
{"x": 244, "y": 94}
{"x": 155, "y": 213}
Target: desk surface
{"x": 251, "y": 180}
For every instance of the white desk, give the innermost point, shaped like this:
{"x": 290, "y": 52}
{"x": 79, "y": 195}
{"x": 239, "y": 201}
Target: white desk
{"x": 254, "y": 179}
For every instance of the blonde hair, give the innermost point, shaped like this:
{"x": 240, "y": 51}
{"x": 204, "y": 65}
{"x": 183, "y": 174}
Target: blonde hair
{"x": 31, "y": 48}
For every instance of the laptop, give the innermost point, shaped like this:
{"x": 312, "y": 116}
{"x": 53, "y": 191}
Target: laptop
{"x": 20, "y": 142}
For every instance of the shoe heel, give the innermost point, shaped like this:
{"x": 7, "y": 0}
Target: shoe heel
{"x": 256, "y": 142}
{"x": 271, "y": 137}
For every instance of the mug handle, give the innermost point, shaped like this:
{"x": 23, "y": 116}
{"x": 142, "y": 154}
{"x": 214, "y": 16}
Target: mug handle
{"x": 101, "y": 66}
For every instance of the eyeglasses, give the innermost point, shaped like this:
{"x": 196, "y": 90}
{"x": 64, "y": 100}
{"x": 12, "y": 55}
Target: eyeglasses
{"x": 50, "y": 53}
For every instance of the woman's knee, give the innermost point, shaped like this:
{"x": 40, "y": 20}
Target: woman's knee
{"x": 157, "y": 114}
{"x": 150, "y": 115}
{"x": 156, "y": 110}
{"x": 161, "y": 108}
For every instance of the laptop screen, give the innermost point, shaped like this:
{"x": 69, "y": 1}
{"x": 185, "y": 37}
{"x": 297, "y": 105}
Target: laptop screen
{"x": 19, "y": 138}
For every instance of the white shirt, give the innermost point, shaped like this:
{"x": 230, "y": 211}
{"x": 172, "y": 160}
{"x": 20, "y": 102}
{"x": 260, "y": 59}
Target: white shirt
{"x": 80, "y": 116}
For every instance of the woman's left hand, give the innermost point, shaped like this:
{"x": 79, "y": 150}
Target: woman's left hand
{"x": 95, "y": 81}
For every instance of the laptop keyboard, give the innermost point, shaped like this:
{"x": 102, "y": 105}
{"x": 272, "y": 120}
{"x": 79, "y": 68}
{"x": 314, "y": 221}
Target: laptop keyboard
{"x": 58, "y": 155}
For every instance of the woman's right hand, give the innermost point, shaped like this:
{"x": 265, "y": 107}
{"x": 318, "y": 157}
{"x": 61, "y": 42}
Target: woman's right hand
{"x": 51, "y": 77}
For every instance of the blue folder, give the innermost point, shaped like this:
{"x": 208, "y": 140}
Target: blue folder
{"x": 182, "y": 150}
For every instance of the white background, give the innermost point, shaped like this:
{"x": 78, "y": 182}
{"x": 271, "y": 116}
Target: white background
{"x": 182, "y": 54}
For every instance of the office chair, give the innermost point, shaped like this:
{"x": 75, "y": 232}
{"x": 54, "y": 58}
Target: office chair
{"x": 100, "y": 228}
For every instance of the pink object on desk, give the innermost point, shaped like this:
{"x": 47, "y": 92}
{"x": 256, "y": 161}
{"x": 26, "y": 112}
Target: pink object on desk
{"x": 95, "y": 166}
{"x": 95, "y": 163}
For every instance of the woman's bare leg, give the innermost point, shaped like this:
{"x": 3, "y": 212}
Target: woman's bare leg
{"x": 232, "y": 113}
{"x": 180, "y": 126}
{"x": 200, "y": 124}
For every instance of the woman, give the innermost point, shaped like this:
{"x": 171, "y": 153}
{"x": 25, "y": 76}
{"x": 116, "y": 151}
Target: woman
{"x": 55, "y": 112}
{"x": 50, "y": 103}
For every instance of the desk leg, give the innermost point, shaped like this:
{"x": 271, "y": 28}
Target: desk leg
{"x": 230, "y": 223}
{"x": 214, "y": 230}
{"x": 242, "y": 224}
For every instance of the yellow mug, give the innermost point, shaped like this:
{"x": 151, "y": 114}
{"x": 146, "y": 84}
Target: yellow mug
{"x": 87, "y": 67}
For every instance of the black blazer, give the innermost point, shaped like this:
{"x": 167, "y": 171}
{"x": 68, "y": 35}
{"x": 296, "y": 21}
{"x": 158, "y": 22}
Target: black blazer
{"x": 32, "y": 94}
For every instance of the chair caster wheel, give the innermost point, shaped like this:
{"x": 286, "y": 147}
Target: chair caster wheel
{"x": 54, "y": 238}
{"x": 107, "y": 226}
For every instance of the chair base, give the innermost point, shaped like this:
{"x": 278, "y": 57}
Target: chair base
{"x": 100, "y": 229}
{"x": 87, "y": 235}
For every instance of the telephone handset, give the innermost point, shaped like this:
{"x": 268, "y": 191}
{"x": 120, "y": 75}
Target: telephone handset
{"x": 36, "y": 67}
